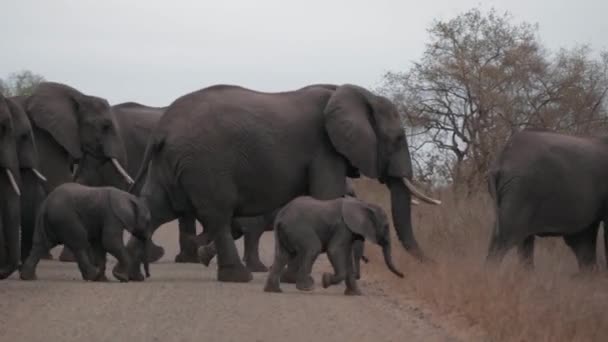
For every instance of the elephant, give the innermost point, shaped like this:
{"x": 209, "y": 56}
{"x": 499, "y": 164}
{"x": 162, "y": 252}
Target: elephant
{"x": 135, "y": 123}
{"x": 226, "y": 151}
{"x": 548, "y": 184}
{"x": 307, "y": 227}
{"x": 68, "y": 127}
{"x": 90, "y": 221}
{"x": 263, "y": 223}
{"x": 32, "y": 179}
{"x": 10, "y": 214}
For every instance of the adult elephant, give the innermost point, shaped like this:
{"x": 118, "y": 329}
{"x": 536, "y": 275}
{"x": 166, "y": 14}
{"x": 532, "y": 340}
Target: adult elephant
{"x": 549, "y": 184}
{"x": 135, "y": 123}
{"x": 32, "y": 180}
{"x": 9, "y": 186}
{"x": 226, "y": 151}
{"x": 68, "y": 127}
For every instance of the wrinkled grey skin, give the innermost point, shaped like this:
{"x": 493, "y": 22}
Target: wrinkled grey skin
{"x": 215, "y": 149}
{"x": 307, "y": 227}
{"x": 549, "y": 184}
{"x": 69, "y": 126}
{"x": 90, "y": 221}
{"x": 135, "y": 123}
{"x": 10, "y": 216}
{"x": 255, "y": 227}
{"x": 32, "y": 180}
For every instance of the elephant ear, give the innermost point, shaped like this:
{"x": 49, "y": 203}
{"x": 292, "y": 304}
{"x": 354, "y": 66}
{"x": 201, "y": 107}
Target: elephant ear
{"x": 54, "y": 108}
{"x": 359, "y": 218}
{"x": 348, "y": 116}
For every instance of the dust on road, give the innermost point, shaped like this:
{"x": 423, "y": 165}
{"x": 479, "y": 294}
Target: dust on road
{"x": 184, "y": 302}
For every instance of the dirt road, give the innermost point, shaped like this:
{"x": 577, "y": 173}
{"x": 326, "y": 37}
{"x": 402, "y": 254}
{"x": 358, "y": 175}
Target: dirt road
{"x": 184, "y": 302}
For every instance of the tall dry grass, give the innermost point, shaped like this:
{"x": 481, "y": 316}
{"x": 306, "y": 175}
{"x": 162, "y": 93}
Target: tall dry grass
{"x": 507, "y": 303}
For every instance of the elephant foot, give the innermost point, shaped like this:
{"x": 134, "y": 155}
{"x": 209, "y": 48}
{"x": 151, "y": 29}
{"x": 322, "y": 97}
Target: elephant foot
{"x": 353, "y": 292}
{"x": 307, "y": 284}
{"x": 326, "y": 280}
{"x": 155, "y": 253}
{"x": 123, "y": 277}
{"x": 121, "y": 274}
{"x": 187, "y": 258}
{"x": 28, "y": 275}
{"x": 289, "y": 277}
{"x": 257, "y": 266}
{"x": 92, "y": 274}
{"x": 272, "y": 288}
{"x": 234, "y": 274}
{"x": 66, "y": 255}
{"x": 205, "y": 255}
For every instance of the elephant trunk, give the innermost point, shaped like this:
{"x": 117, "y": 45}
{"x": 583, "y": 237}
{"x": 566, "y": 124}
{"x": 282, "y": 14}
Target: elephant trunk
{"x": 402, "y": 217}
{"x": 388, "y": 259}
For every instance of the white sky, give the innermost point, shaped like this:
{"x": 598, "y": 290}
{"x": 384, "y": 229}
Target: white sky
{"x": 155, "y": 51}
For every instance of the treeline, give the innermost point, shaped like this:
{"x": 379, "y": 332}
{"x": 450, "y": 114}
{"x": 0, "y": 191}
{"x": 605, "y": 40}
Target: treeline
{"x": 482, "y": 78}
{"x": 20, "y": 83}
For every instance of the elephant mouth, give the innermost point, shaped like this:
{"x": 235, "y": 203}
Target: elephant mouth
{"x": 77, "y": 168}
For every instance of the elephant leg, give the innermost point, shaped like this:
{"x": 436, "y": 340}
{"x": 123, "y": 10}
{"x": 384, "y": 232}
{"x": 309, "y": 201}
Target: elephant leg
{"x": 281, "y": 257}
{"x": 583, "y": 245}
{"x": 352, "y": 289}
{"x": 207, "y": 252}
{"x": 357, "y": 257}
{"x": 66, "y": 255}
{"x": 525, "y": 250}
{"x": 87, "y": 269}
{"x": 28, "y": 269}
{"x": 252, "y": 253}
{"x": 290, "y": 275}
{"x": 339, "y": 259}
{"x": 304, "y": 281}
{"x": 114, "y": 246}
{"x": 230, "y": 267}
{"x": 187, "y": 242}
{"x": 99, "y": 259}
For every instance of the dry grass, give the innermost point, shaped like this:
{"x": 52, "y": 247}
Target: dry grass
{"x": 551, "y": 303}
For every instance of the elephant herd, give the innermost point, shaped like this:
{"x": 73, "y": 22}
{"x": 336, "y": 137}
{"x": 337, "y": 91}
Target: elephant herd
{"x": 231, "y": 158}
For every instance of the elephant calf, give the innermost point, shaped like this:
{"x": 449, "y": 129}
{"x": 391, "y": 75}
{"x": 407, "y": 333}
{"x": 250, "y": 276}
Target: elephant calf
{"x": 90, "y": 222}
{"x": 306, "y": 227}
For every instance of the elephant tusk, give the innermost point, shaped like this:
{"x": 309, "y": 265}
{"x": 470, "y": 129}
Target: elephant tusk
{"x": 74, "y": 171}
{"x": 415, "y": 201}
{"x": 11, "y": 178}
{"x": 122, "y": 171}
{"x": 419, "y": 194}
{"x": 39, "y": 174}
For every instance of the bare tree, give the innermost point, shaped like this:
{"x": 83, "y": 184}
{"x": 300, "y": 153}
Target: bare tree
{"x": 481, "y": 79}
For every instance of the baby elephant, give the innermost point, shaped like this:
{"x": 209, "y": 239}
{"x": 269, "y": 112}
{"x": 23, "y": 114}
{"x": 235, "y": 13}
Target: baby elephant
{"x": 90, "y": 222}
{"x": 307, "y": 227}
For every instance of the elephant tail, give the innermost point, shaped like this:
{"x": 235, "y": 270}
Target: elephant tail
{"x": 155, "y": 143}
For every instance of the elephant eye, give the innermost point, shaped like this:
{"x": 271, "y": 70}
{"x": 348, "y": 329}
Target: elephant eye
{"x": 105, "y": 127}
{"x": 23, "y": 137}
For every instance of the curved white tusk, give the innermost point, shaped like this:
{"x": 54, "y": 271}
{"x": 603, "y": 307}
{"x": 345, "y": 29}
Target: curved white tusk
{"x": 13, "y": 182}
{"x": 122, "y": 171}
{"x": 419, "y": 194}
{"x": 39, "y": 174}
{"x": 75, "y": 170}
{"x": 415, "y": 201}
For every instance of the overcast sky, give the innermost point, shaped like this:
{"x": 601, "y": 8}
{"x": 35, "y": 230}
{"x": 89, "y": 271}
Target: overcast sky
{"x": 155, "y": 51}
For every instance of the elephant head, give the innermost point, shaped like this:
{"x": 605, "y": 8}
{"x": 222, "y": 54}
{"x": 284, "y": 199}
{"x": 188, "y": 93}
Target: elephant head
{"x": 369, "y": 221}
{"x": 10, "y": 180}
{"x": 83, "y": 125}
{"x": 27, "y": 153}
{"x": 367, "y": 130}
{"x": 135, "y": 217}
